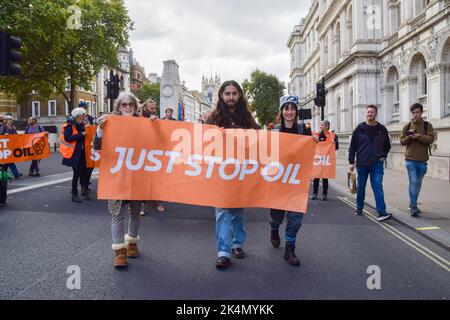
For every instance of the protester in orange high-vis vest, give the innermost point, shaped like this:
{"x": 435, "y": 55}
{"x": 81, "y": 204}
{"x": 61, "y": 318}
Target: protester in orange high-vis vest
{"x": 72, "y": 149}
{"x": 324, "y": 135}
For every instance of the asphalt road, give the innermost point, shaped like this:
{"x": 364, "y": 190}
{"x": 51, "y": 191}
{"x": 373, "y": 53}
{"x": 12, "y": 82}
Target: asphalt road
{"x": 42, "y": 233}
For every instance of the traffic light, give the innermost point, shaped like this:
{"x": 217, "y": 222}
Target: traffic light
{"x": 9, "y": 55}
{"x": 320, "y": 99}
{"x": 116, "y": 86}
{"x": 113, "y": 86}
{"x": 320, "y": 94}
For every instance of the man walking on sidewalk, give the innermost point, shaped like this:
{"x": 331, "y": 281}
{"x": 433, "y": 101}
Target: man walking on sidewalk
{"x": 370, "y": 144}
{"x": 417, "y": 136}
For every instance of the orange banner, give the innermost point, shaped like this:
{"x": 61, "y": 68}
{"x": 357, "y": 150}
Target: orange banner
{"x": 24, "y": 147}
{"x": 92, "y": 156}
{"x": 324, "y": 161}
{"x": 204, "y": 165}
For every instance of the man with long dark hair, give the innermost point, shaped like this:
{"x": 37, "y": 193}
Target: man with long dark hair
{"x": 231, "y": 112}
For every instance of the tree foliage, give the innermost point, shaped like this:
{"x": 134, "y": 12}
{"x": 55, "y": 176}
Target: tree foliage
{"x": 263, "y": 92}
{"x": 149, "y": 91}
{"x": 64, "y": 42}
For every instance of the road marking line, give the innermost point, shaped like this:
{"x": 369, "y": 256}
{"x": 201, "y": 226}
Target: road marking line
{"x": 45, "y": 184}
{"x": 409, "y": 241}
{"x": 428, "y": 228}
{"x": 400, "y": 233}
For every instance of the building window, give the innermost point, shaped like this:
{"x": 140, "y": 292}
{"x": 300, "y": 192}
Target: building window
{"x": 52, "y": 108}
{"x": 36, "y": 109}
{"x": 67, "y": 85}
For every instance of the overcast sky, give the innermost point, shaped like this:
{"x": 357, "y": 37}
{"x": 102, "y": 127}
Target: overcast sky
{"x": 234, "y": 36}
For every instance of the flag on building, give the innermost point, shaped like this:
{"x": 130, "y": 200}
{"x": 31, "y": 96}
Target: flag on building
{"x": 181, "y": 111}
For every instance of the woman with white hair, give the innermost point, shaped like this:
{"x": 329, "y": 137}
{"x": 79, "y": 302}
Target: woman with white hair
{"x": 72, "y": 149}
{"x": 124, "y": 245}
{"x": 324, "y": 135}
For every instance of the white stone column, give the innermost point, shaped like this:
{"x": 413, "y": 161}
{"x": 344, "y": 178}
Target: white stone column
{"x": 344, "y": 33}
{"x": 359, "y": 23}
{"x": 100, "y": 91}
{"x": 409, "y": 7}
{"x": 404, "y": 91}
{"x": 323, "y": 56}
{"x": 387, "y": 94}
{"x": 331, "y": 52}
{"x": 436, "y": 92}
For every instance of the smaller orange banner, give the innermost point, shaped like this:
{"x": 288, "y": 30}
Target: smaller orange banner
{"x": 92, "y": 156}
{"x": 324, "y": 161}
{"x": 24, "y": 147}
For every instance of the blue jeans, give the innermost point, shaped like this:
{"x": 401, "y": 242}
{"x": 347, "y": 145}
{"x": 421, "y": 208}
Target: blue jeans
{"x": 376, "y": 173}
{"x": 416, "y": 172}
{"x": 230, "y": 230}
{"x": 294, "y": 223}
{"x": 13, "y": 168}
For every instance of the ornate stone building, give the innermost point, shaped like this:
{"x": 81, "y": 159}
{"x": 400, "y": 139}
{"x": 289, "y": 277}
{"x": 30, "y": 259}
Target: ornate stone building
{"x": 390, "y": 53}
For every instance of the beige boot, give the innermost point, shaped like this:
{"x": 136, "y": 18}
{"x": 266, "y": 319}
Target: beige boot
{"x": 133, "y": 251}
{"x": 120, "y": 261}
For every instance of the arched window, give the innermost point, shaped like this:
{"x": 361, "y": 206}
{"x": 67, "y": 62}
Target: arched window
{"x": 393, "y": 93}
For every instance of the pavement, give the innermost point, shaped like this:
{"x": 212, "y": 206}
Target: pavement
{"x": 434, "y": 202}
{"x": 44, "y": 236}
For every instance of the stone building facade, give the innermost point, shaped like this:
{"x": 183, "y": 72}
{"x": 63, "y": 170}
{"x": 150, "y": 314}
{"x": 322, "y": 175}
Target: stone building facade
{"x": 390, "y": 53}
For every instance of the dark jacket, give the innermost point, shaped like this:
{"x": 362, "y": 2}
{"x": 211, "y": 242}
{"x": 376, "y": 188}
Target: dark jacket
{"x": 212, "y": 119}
{"x": 302, "y": 129}
{"x": 5, "y": 130}
{"x": 368, "y": 152}
{"x": 78, "y": 154}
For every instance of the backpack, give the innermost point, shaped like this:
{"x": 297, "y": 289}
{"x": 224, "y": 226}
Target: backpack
{"x": 41, "y": 129}
{"x": 426, "y": 124}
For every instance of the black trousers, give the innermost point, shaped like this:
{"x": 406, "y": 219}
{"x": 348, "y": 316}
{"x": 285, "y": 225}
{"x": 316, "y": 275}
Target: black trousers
{"x": 324, "y": 184}
{"x": 81, "y": 173}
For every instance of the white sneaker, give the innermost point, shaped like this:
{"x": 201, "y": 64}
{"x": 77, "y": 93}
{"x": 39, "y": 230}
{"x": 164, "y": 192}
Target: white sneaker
{"x": 384, "y": 217}
{"x": 143, "y": 213}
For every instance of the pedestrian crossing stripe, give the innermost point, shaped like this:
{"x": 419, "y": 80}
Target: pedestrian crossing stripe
{"x": 428, "y": 228}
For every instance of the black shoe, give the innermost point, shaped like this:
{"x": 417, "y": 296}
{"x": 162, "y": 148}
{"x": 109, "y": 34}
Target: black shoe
{"x": 37, "y": 174}
{"x": 223, "y": 262}
{"x": 18, "y": 176}
{"x": 85, "y": 195}
{"x": 290, "y": 257}
{"x": 275, "y": 238}
{"x": 238, "y": 253}
{"x": 325, "y": 197}
{"x": 314, "y": 197}
{"x": 2, "y": 205}
{"x": 414, "y": 211}
{"x": 359, "y": 212}
{"x": 76, "y": 199}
